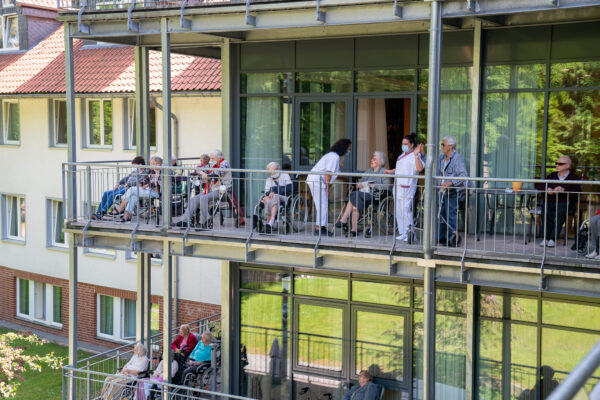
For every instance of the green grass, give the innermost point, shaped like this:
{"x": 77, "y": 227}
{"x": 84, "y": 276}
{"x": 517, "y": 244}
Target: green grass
{"x": 46, "y": 384}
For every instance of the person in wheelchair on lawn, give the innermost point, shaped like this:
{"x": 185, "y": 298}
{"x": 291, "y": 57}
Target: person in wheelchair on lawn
{"x": 359, "y": 200}
{"x": 200, "y": 357}
{"x": 278, "y": 188}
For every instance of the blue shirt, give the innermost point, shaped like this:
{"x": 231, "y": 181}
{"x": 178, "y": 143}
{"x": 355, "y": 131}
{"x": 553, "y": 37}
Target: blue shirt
{"x": 201, "y": 352}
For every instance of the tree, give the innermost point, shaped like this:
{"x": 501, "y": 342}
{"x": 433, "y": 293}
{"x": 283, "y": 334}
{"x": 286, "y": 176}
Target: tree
{"x": 15, "y": 360}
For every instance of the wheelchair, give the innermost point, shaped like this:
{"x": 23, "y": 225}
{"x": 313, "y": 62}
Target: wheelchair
{"x": 130, "y": 389}
{"x": 221, "y": 207}
{"x": 291, "y": 213}
{"x": 379, "y": 214}
{"x": 201, "y": 379}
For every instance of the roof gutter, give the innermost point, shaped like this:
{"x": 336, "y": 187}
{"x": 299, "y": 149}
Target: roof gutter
{"x": 215, "y": 93}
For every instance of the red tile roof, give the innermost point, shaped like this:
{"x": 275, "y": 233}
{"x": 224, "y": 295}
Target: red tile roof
{"x": 109, "y": 69}
{"x": 40, "y": 3}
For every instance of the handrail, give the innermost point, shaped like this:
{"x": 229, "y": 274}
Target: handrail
{"x": 577, "y": 378}
{"x": 346, "y": 174}
{"x": 151, "y": 337}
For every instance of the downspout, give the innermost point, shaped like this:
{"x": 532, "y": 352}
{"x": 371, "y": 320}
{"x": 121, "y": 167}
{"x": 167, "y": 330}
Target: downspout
{"x": 175, "y": 133}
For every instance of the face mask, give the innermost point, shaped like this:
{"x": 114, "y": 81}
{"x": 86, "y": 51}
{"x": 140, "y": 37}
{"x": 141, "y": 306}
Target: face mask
{"x": 405, "y": 148}
{"x": 276, "y": 175}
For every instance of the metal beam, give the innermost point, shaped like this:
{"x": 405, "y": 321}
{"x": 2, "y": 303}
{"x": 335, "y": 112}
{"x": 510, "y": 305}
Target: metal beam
{"x": 147, "y": 299}
{"x": 165, "y": 40}
{"x": 140, "y": 305}
{"x": 167, "y": 312}
{"x": 471, "y": 340}
{"x": 226, "y": 106}
{"x": 429, "y": 334}
{"x": 139, "y": 120}
{"x": 475, "y": 99}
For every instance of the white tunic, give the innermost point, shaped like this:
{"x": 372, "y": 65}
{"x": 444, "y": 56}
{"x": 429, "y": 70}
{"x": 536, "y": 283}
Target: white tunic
{"x": 406, "y": 165}
{"x": 329, "y": 162}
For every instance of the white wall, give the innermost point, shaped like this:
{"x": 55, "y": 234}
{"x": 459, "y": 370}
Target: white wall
{"x": 33, "y": 169}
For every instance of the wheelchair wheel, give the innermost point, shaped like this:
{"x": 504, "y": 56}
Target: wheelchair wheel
{"x": 298, "y": 214}
{"x": 206, "y": 379}
{"x": 385, "y": 216}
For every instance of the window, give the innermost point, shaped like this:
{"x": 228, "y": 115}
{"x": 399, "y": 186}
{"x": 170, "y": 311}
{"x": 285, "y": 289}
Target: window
{"x": 99, "y": 122}
{"x": 58, "y": 123}
{"x": 11, "y": 131}
{"x": 39, "y": 302}
{"x": 13, "y": 210}
{"x": 132, "y": 125}
{"x": 56, "y": 237}
{"x": 8, "y": 3}
{"x": 10, "y": 30}
{"x": 116, "y": 318}
{"x": 155, "y": 258}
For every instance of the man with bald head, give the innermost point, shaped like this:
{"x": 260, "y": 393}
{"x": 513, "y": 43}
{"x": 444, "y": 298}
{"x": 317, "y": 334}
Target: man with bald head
{"x": 560, "y": 196}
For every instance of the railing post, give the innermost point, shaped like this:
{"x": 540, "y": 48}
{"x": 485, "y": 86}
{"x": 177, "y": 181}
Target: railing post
{"x": 213, "y": 366}
{"x": 88, "y": 381}
{"x": 88, "y": 189}
{"x": 118, "y": 358}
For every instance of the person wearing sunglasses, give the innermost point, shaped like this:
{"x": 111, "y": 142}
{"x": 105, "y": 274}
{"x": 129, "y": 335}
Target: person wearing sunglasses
{"x": 560, "y": 196}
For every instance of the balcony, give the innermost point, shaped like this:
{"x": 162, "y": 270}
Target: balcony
{"x": 499, "y": 221}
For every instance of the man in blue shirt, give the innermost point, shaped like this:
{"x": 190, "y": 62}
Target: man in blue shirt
{"x": 200, "y": 356}
{"x": 365, "y": 390}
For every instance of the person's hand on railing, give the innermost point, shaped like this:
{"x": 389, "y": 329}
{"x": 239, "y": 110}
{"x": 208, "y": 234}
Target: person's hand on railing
{"x": 445, "y": 185}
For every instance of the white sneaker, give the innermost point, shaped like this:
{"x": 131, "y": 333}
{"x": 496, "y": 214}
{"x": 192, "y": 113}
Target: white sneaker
{"x": 543, "y": 243}
{"x": 402, "y": 237}
{"x": 550, "y": 243}
{"x": 593, "y": 254}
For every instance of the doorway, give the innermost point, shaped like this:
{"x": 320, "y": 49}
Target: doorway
{"x": 381, "y": 123}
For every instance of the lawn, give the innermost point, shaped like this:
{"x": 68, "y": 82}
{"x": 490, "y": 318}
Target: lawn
{"x": 46, "y": 384}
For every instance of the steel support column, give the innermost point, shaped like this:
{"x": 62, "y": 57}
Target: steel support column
{"x": 226, "y": 108}
{"x": 175, "y": 289}
{"x": 471, "y": 342}
{"x": 72, "y": 202}
{"x": 140, "y": 305}
{"x": 227, "y": 341}
{"x": 167, "y": 323}
{"x": 142, "y": 104}
{"x": 165, "y": 41}
{"x": 433, "y": 133}
{"x": 147, "y": 299}
{"x": 475, "y": 100}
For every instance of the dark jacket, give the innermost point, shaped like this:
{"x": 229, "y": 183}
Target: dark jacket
{"x": 368, "y": 392}
{"x": 134, "y": 178}
{"x": 570, "y": 188}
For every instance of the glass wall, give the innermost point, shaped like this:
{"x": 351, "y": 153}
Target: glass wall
{"x": 529, "y": 344}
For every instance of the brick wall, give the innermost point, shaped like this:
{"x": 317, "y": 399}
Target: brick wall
{"x": 86, "y": 330}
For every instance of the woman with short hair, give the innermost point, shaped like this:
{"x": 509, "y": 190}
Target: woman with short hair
{"x": 115, "y": 385}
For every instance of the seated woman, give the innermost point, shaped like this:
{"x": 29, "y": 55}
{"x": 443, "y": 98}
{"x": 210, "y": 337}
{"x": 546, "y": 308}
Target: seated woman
{"x": 361, "y": 198}
{"x": 278, "y": 187}
{"x": 115, "y": 385}
{"x": 148, "y": 188}
{"x": 185, "y": 342}
{"x": 131, "y": 180}
{"x": 200, "y": 356}
{"x": 212, "y": 181}
{"x": 154, "y": 382}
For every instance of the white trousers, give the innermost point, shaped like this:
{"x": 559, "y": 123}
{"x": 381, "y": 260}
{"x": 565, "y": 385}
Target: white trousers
{"x": 403, "y": 201}
{"x": 320, "y": 200}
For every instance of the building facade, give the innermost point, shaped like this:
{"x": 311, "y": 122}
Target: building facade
{"x": 514, "y": 82}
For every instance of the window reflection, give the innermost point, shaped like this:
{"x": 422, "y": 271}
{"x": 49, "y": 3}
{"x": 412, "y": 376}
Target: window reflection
{"x": 321, "y": 125}
{"x": 381, "y": 293}
{"x": 265, "y": 280}
{"x": 385, "y": 80}
{"x": 261, "y": 83}
{"x": 321, "y": 286}
{"x": 575, "y": 74}
{"x": 323, "y": 82}
{"x": 319, "y": 339}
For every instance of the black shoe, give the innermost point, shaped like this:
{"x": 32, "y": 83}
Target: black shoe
{"x": 181, "y": 224}
{"x": 268, "y": 229}
{"x": 316, "y": 232}
{"x": 352, "y": 234}
{"x": 324, "y": 231}
{"x": 343, "y": 225}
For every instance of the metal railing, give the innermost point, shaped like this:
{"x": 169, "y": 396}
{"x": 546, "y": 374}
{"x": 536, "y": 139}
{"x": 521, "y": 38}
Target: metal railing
{"x": 578, "y": 378}
{"x": 506, "y": 217}
{"x": 109, "y": 362}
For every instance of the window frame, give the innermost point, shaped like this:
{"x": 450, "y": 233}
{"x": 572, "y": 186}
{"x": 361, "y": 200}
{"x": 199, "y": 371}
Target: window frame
{"x": 6, "y": 218}
{"x": 130, "y": 124}
{"x": 118, "y": 320}
{"x": 4, "y": 27}
{"x": 54, "y": 123}
{"x": 5, "y": 104}
{"x": 88, "y": 131}
{"x": 52, "y": 206}
{"x": 47, "y": 301}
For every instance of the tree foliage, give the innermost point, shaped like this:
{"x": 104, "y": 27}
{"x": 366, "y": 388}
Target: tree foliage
{"x": 15, "y": 360}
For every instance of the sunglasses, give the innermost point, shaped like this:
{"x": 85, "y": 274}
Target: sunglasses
{"x": 561, "y": 163}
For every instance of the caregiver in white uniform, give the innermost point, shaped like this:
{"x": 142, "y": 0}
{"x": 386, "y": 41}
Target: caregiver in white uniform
{"x": 320, "y": 185}
{"x": 408, "y": 163}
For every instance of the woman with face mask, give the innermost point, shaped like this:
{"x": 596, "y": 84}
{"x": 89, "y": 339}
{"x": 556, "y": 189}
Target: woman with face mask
{"x": 320, "y": 185}
{"x": 408, "y": 163}
{"x": 278, "y": 187}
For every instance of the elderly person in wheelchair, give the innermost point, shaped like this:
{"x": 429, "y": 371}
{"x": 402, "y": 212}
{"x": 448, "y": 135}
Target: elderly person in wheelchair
{"x": 215, "y": 181}
{"x": 368, "y": 188}
{"x": 115, "y": 386}
{"x": 199, "y": 359}
{"x": 149, "y": 188}
{"x": 278, "y": 188}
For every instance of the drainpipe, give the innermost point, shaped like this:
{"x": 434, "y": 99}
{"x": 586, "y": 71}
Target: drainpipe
{"x": 175, "y": 134}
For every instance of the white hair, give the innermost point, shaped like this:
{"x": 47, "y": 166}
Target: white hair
{"x": 141, "y": 349}
{"x": 450, "y": 141}
{"x": 156, "y": 159}
{"x": 208, "y": 334}
{"x": 568, "y": 159}
{"x": 185, "y": 327}
{"x": 273, "y": 165}
{"x": 380, "y": 156}
{"x": 216, "y": 153}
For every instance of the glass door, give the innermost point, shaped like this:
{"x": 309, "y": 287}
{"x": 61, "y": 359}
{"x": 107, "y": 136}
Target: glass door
{"x": 320, "y": 123}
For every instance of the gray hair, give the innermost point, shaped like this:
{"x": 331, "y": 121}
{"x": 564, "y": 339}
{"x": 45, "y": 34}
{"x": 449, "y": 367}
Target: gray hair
{"x": 216, "y": 153}
{"x": 156, "y": 159}
{"x": 381, "y": 156}
{"x": 205, "y": 157}
{"x": 141, "y": 349}
{"x": 274, "y": 165}
{"x": 568, "y": 159}
{"x": 208, "y": 334}
{"x": 450, "y": 141}
{"x": 185, "y": 327}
